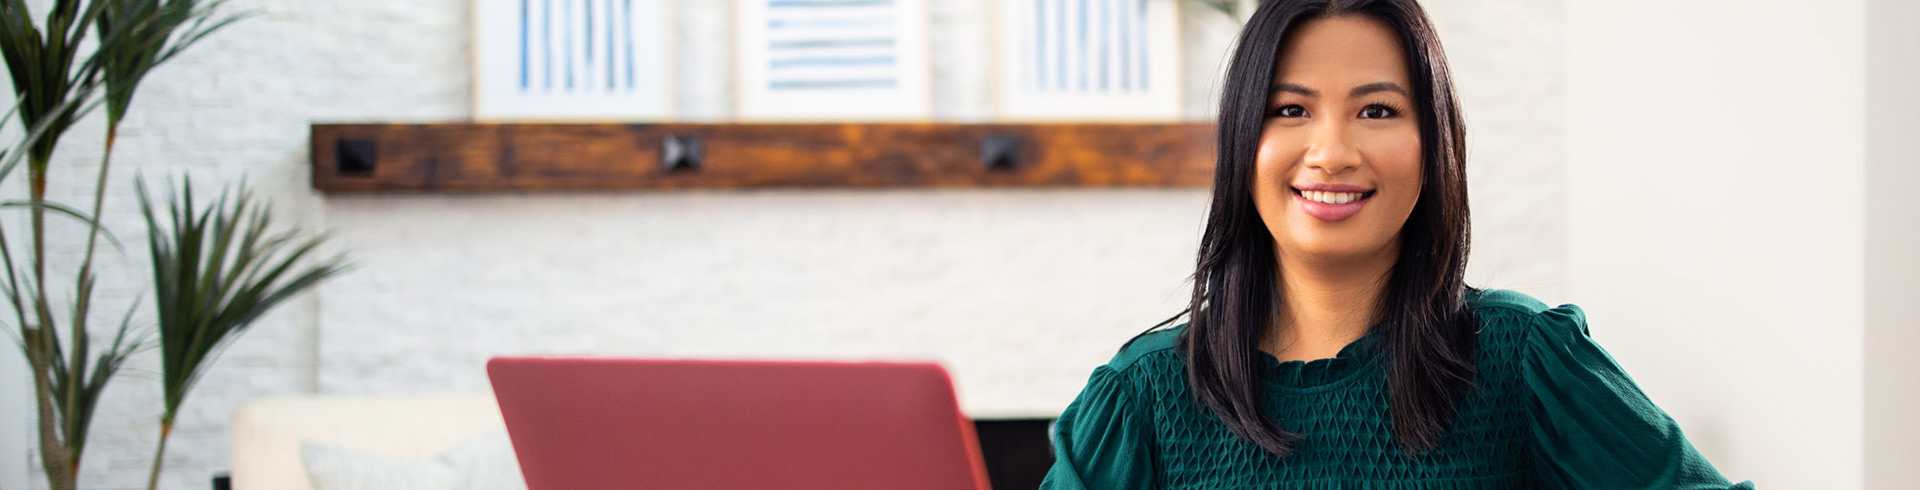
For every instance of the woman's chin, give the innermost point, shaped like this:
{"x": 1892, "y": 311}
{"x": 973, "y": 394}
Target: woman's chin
{"x": 1333, "y": 248}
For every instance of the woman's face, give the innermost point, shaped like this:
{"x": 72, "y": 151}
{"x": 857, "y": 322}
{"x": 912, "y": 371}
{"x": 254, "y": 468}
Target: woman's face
{"x": 1338, "y": 170}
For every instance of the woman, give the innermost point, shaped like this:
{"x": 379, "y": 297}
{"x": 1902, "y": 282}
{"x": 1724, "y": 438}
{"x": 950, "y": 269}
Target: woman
{"x": 1332, "y": 341}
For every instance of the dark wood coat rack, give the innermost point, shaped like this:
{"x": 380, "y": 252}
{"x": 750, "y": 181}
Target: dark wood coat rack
{"x": 476, "y": 157}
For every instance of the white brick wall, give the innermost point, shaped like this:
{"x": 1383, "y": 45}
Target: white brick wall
{"x": 1021, "y": 292}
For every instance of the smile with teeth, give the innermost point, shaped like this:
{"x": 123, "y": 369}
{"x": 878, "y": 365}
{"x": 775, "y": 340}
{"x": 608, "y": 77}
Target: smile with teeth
{"x": 1333, "y": 197}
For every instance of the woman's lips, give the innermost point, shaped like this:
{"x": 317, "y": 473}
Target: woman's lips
{"x": 1331, "y": 213}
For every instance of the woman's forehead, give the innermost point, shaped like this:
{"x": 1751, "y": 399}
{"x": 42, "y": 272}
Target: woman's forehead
{"x": 1341, "y": 52}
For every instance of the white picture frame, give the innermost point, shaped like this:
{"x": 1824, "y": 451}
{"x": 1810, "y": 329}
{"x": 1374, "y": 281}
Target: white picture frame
{"x": 573, "y": 60}
{"x": 1102, "y": 60}
{"x": 832, "y": 60}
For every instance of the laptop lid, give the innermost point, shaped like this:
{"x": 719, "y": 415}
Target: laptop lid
{"x": 703, "y": 424}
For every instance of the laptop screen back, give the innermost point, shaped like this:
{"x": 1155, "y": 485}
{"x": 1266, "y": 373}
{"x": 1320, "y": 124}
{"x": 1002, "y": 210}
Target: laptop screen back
{"x": 695, "y": 424}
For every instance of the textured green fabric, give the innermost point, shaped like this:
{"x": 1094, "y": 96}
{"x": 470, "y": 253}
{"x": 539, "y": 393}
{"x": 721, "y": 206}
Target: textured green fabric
{"x": 1550, "y": 410}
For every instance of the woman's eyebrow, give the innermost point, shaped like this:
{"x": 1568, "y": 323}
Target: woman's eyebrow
{"x": 1362, "y": 90}
{"x": 1295, "y": 88}
{"x": 1376, "y": 87}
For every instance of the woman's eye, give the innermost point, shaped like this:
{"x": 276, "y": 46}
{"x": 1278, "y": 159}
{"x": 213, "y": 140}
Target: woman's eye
{"x": 1289, "y": 111}
{"x": 1378, "y": 112}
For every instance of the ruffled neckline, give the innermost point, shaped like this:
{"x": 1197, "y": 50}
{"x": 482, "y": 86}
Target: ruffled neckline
{"x": 1350, "y": 361}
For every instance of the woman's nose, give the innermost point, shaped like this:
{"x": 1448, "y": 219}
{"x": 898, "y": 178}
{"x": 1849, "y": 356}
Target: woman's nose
{"x": 1329, "y": 151}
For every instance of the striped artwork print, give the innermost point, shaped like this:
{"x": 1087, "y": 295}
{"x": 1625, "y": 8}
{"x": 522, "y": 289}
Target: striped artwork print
{"x": 1087, "y": 60}
{"x": 831, "y": 45}
{"x": 839, "y": 60}
{"x": 572, "y": 60}
{"x": 1084, "y": 46}
{"x": 576, "y": 46}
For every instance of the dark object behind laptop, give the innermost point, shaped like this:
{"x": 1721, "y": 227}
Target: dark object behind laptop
{"x": 1017, "y": 451}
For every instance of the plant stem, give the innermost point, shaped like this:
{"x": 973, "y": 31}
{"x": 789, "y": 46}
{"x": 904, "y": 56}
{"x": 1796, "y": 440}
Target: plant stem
{"x": 61, "y": 464}
{"x": 54, "y": 459}
{"x": 82, "y": 297}
{"x": 166, "y": 429}
{"x": 38, "y": 193}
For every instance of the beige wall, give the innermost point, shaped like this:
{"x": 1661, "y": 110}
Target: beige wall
{"x": 1722, "y": 224}
{"x": 1893, "y": 245}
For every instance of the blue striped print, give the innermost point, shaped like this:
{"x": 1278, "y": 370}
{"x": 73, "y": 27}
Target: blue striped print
{"x": 832, "y": 61}
{"x": 833, "y": 84}
{"x": 827, "y": 3}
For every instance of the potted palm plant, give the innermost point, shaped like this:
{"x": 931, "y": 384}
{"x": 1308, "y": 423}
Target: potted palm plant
{"x": 56, "y": 86}
{"x": 216, "y": 269}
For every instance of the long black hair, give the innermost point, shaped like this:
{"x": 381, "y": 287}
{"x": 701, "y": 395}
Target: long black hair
{"x": 1426, "y": 327}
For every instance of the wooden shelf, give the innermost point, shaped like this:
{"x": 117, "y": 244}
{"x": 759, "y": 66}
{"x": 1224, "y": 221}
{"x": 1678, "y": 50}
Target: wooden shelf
{"x": 463, "y": 157}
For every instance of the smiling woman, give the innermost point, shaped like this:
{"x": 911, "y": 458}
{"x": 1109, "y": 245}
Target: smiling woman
{"x": 1340, "y": 139}
{"x": 1333, "y": 341}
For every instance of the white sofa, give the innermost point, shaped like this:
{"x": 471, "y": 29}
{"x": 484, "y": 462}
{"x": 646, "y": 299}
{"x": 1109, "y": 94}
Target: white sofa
{"x": 267, "y": 433}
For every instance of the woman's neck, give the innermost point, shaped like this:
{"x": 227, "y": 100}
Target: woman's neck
{"x": 1326, "y": 304}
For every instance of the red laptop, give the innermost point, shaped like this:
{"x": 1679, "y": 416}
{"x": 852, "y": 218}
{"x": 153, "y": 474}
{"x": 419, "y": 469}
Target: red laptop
{"x": 581, "y": 424}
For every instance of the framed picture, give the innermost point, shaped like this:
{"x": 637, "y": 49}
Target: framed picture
{"x": 588, "y": 60}
{"x": 832, "y": 59}
{"x": 1087, "y": 59}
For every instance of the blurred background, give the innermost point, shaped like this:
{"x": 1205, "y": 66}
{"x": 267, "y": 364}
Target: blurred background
{"x": 1724, "y": 186}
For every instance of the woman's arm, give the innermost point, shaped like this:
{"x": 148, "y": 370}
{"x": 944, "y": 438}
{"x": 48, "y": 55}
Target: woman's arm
{"x": 1104, "y": 439}
{"x": 1592, "y": 425}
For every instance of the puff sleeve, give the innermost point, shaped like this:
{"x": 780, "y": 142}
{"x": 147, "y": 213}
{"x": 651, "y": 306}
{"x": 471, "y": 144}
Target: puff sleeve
{"x": 1592, "y": 426}
{"x": 1104, "y": 439}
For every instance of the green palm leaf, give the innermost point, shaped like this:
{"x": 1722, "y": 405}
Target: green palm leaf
{"x": 216, "y": 270}
{"x": 1238, "y": 10}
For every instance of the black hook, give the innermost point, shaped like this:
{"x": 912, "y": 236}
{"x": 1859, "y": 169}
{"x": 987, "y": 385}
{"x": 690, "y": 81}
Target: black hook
{"x": 355, "y": 157}
{"x": 679, "y": 153}
{"x": 998, "y": 151}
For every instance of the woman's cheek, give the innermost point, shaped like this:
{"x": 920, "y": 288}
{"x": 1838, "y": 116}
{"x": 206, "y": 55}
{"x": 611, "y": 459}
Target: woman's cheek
{"x": 1403, "y": 168}
{"x": 1271, "y": 167}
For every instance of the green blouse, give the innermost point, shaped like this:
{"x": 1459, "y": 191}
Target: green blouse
{"x": 1551, "y": 410}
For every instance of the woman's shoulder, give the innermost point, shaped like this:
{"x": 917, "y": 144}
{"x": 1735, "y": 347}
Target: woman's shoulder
{"x": 1504, "y": 300}
{"x": 1120, "y": 388}
{"x": 1501, "y": 311}
{"x": 1508, "y": 321}
{"x": 1514, "y": 326}
{"x": 1146, "y": 348}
